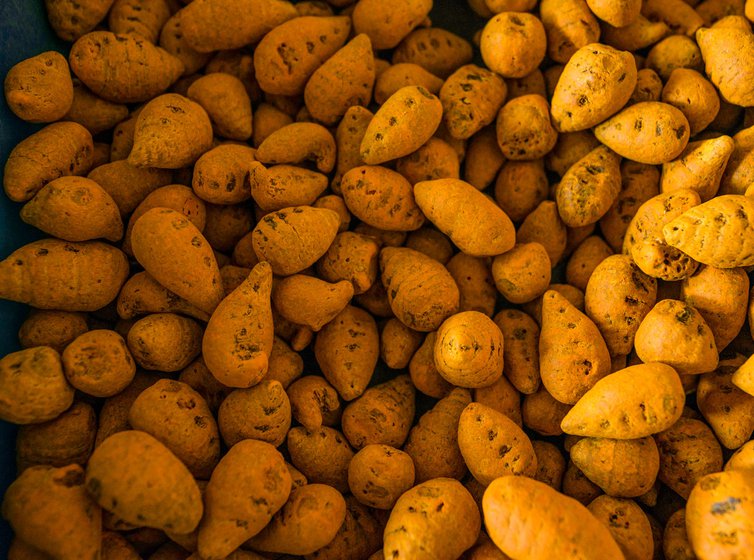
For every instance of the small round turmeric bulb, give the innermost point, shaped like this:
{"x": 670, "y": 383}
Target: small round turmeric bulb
{"x": 493, "y": 445}
{"x": 179, "y": 418}
{"x": 51, "y": 508}
{"x": 524, "y": 128}
{"x": 308, "y": 521}
{"x": 293, "y": 239}
{"x": 39, "y": 89}
{"x": 228, "y": 105}
{"x": 624, "y": 468}
{"x": 646, "y": 242}
{"x": 99, "y": 363}
{"x": 528, "y": 519}
{"x": 33, "y": 388}
{"x": 634, "y": 402}
{"x": 56, "y": 329}
{"x": 289, "y": 54}
{"x": 388, "y": 22}
{"x": 218, "y": 25}
{"x": 402, "y": 74}
{"x": 687, "y": 343}
{"x": 727, "y": 55}
{"x": 406, "y": 120}
{"x": 238, "y": 339}
{"x": 421, "y": 292}
{"x": 573, "y": 355}
{"x": 345, "y": 80}
{"x": 471, "y": 98}
{"x": 513, "y": 44}
{"x": 123, "y": 68}
{"x": 523, "y": 273}
{"x": 347, "y": 365}
{"x": 648, "y": 132}
{"x": 247, "y": 487}
{"x": 719, "y": 505}
{"x": 473, "y": 222}
{"x": 164, "y": 341}
{"x": 379, "y": 474}
{"x": 383, "y": 414}
{"x": 140, "y": 17}
{"x": 176, "y": 254}
{"x": 306, "y": 300}
{"x": 449, "y": 522}
{"x": 59, "y": 149}
{"x": 138, "y": 479}
{"x": 381, "y": 197}
{"x": 469, "y": 350}
{"x": 171, "y": 132}
{"x": 314, "y": 402}
{"x": 74, "y": 209}
{"x": 584, "y": 96}
{"x": 261, "y": 412}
